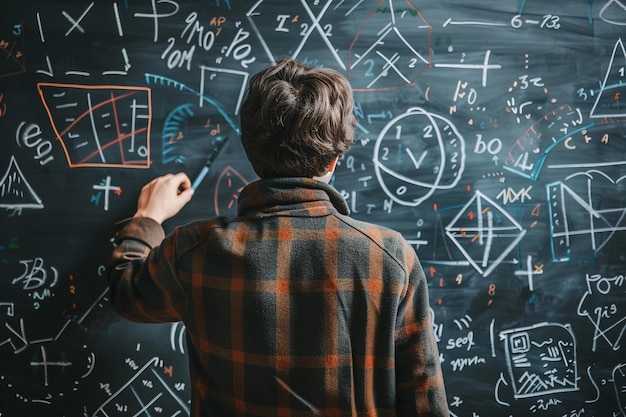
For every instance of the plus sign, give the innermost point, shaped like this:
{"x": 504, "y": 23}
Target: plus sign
{"x": 530, "y": 272}
{"x": 44, "y": 362}
{"x": 106, "y": 186}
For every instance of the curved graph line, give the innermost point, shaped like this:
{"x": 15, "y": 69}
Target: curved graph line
{"x": 171, "y": 127}
{"x": 162, "y": 80}
{"x": 529, "y": 152}
{"x": 619, "y": 369}
{"x": 618, "y": 5}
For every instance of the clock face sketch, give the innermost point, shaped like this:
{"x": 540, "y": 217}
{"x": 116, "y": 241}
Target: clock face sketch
{"x": 416, "y": 154}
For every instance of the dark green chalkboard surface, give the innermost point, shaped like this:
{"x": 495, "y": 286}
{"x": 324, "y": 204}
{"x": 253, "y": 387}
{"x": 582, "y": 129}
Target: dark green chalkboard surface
{"x": 492, "y": 135}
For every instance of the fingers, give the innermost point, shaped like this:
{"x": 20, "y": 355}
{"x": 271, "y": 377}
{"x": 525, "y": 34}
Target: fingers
{"x": 171, "y": 182}
{"x": 164, "y": 196}
{"x": 181, "y": 180}
{"x": 186, "y": 195}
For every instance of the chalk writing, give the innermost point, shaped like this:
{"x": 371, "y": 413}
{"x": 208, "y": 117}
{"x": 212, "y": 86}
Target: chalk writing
{"x": 489, "y": 134}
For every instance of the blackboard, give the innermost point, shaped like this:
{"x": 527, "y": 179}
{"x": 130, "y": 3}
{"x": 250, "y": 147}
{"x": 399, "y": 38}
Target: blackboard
{"x": 492, "y": 135}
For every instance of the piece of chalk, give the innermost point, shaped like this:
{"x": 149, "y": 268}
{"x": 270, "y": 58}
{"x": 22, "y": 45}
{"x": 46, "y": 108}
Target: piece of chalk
{"x": 200, "y": 177}
{"x": 220, "y": 142}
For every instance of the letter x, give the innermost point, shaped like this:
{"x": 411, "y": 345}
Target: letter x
{"x": 315, "y": 23}
{"x": 75, "y": 23}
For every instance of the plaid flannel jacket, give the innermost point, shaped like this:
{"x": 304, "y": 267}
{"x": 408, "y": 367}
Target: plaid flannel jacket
{"x": 292, "y": 308}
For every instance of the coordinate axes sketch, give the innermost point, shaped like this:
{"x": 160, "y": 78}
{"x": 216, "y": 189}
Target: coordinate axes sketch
{"x": 579, "y": 212}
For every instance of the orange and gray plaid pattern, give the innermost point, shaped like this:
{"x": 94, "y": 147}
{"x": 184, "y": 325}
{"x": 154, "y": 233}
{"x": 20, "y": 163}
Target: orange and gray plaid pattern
{"x": 291, "y": 309}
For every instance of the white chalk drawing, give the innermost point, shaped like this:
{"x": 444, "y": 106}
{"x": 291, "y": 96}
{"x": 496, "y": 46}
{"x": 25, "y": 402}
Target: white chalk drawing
{"x": 614, "y": 12}
{"x": 529, "y": 151}
{"x": 216, "y": 76}
{"x": 484, "y": 67}
{"x": 573, "y": 214}
{"x": 13, "y": 335}
{"x": 416, "y": 154}
{"x": 541, "y": 359}
{"x": 400, "y": 52}
{"x": 485, "y": 233}
{"x": 15, "y": 191}
{"x": 105, "y": 188}
{"x": 145, "y": 392}
{"x": 619, "y": 383}
{"x": 608, "y": 103}
{"x": 285, "y": 33}
{"x": 530, "y": 272}
{"x": 598, "y": 305}
{"x": 177, "y": 336}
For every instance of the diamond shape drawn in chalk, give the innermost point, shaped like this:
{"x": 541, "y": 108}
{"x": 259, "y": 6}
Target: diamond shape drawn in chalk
{"x": 484, "y": 233}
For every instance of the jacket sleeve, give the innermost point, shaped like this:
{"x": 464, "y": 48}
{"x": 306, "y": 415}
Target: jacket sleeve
{"x": 419, "y": 379}
{"x": 142, "y": 274}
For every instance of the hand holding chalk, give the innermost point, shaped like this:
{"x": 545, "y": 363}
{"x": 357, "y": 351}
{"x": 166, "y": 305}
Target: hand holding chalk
{"x": 163, "y": 197}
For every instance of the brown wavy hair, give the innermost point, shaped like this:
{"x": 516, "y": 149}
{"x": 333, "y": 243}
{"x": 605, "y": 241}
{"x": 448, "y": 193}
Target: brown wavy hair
{"x": 296, "y": 119}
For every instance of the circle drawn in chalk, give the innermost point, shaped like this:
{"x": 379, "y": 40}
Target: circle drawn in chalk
{"x": 416, "y": 154}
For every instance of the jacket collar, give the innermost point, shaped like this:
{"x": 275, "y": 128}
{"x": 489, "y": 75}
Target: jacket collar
{"x": 270, "y": 195}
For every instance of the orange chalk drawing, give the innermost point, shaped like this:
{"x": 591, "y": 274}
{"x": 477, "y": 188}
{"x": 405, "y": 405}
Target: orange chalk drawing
{"x": 11, "y": 52}
{"x": 100, "y": 125}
